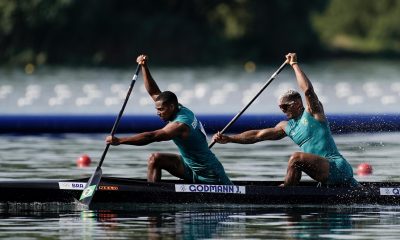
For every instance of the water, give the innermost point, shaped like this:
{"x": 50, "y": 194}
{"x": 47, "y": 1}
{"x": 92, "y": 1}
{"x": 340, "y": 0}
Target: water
{"x": 182, "y": 222}
{"x": 54, "y": 157}
{"x": 374, "y": 88}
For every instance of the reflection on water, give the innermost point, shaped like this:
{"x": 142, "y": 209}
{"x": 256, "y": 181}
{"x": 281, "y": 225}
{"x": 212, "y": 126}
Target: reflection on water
{"x": 202, "y": 222}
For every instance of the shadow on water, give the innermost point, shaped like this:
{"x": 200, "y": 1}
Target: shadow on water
{"x": 172, "y": 221}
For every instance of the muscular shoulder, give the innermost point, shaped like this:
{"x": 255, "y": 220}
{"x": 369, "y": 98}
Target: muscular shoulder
{"x": 177, "y": 129}
{"x": 275, "y": 133}
{"x": 174, "y": 126}
{"x": 280, "y": 129}
{"x": 281, "y": 125}
{"x": 317, "y": 115}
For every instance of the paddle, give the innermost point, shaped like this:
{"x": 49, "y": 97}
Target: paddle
{"x": 91, "y": 186}
{"x": 251, "y": 101}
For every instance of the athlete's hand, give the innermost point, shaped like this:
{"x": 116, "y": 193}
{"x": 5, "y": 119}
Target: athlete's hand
{"x": 220, "y": 138}
{"x": 142, "y": 59}
{"x": 112, "y": 140}
{"x": 291, "y": 58}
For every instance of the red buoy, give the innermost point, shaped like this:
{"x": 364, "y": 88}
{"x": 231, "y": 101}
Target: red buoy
{"x": 83, "y": 161}
{"x": 364, "y": 169}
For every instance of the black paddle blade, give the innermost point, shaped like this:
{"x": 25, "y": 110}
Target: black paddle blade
{"x": 91, "y": 186}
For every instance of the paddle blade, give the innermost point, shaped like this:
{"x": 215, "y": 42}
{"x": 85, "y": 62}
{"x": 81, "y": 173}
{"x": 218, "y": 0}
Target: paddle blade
{"x": 91, "y": 186}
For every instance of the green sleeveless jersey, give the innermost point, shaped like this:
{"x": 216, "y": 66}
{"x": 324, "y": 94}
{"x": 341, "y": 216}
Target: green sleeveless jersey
{"x": 195, "y": 152}
{"x": 312, "y": 136}
{"x": 315, "y": 137}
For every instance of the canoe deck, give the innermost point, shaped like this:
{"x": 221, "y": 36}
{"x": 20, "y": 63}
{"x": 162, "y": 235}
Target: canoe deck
{"x": 124, "y": 190}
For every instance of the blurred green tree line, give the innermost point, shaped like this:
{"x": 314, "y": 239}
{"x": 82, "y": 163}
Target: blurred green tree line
{"x": 113, "y": 33}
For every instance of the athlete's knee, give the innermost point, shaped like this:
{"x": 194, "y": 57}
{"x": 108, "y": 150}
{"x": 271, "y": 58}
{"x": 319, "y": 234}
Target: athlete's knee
{"x": 295, "y": 159}
{"x": 153, "y": 159}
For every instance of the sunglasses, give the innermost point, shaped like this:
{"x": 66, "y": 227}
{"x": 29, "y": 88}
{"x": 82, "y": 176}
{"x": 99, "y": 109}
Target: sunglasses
{"x": 286, "y": 105}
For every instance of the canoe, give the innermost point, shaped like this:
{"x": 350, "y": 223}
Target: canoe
{"x": 125, "y": 190}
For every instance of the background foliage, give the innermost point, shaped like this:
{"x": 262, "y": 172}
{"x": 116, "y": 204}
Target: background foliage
{"x": 112, "y": 33}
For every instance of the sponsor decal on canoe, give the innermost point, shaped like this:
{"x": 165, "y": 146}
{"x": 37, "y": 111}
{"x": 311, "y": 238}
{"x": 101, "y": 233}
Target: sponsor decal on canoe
{"x": 108, "y": 188}
{"x": 72, "y": 185}
{"x": 390, "y": 191}
{"x": 205, "y": 188}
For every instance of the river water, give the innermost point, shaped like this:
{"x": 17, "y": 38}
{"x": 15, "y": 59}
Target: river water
{"x": 54, "y": 157}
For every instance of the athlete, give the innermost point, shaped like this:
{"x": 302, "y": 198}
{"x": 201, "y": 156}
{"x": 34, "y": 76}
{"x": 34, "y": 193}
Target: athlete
{"x": 195, "y": 163}
{"x": 308, "y": 128}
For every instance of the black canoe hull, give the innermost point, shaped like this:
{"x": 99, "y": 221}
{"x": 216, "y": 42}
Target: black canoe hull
{"x": 123, "y": 190}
